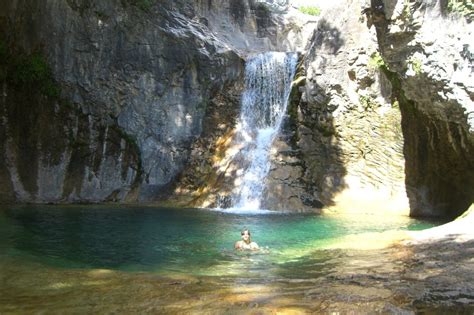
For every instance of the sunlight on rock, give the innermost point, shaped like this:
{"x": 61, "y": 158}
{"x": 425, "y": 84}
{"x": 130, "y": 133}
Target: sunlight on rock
{"x": 460, "y": 230}
{"x": 95, "y": 283}
{"x": 289, "y": 311}
{"x": 368, "y": 241}
{"x": 367, "y": 200}
{"x": 99, "y": 272}
{"x": 61, "y": 285}
{"x": 238, "y": 182}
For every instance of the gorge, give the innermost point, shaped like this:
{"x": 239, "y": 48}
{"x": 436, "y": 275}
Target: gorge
{"x": 364, "y": 109}
{"x": 141, "y": 103}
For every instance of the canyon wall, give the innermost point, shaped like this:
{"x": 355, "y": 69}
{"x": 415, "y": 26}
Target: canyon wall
{"x": 427, "y": 48}
{"x": 342, "y": 145}
{"x": 382, "y": 112}
{"x": 136, "y": 101}
{"x": 133, "y": 79}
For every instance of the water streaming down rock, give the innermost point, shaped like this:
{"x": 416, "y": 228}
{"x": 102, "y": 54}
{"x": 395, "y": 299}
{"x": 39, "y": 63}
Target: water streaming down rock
{"x": 268, "y": 79}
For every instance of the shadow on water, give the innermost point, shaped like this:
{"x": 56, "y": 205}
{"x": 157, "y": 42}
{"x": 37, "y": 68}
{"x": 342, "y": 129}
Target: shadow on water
{"x": 108, "y": 238}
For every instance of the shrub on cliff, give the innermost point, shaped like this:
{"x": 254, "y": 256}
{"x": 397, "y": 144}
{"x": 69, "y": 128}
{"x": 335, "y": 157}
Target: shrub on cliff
{"x": 29, "y": 72}
{"x": 315, "y": 11}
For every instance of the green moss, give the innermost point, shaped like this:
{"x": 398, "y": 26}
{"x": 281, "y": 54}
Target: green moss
{"x": 294, "y": 101}
{"x": 376, "y": 61}
{"x": 145, "y": 5}
{"x": 367, "y": 102}
{"x": 27, "y": 72}
{"x": 398, "y": 96}
{"x": 415, "y": 65}
{"x": 326, "y": 130}
{"x": 310, "y": 10}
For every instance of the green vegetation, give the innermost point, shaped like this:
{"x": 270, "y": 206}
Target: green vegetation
{"x": 31, "y": 71}
{"x": 27, "y": 71}
{"x": 367, "y": 102}
{"x": 398, "y": 96}
{"x": 462, "y": 7}
{"x": 145, "y": 5}
{"x": 376, "y": 61}
{"x": 101, "y": 15}
{"x": 315, "y": 11}
{"x": 415, "y": 65}
{"x": 406, "y": 9}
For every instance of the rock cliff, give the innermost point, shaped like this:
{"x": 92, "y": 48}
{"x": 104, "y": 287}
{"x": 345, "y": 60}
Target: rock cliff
{"x": 136, "y": 101}
{"x": 428, "y": 55}
{"x": 342, "y": 145}
{"x": 383, "y": 111}
{"x": 135, "y": 80}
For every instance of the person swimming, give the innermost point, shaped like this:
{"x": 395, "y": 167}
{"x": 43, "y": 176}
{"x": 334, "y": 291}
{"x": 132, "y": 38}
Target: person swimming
{"x": 246, "y": 243}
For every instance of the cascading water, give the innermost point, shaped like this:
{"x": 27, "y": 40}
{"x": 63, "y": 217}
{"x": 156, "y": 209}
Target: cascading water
{"x": 268, "y": 79}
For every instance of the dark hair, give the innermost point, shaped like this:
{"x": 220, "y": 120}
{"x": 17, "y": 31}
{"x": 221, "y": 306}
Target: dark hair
{"x": 243, "y": 231}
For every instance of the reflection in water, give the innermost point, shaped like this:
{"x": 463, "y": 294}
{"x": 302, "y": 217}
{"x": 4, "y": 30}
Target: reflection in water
{"x": 148, "y": 260}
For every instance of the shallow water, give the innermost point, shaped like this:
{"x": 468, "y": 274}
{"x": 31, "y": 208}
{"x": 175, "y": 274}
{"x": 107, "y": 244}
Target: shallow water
{"x": 105, "y": 259}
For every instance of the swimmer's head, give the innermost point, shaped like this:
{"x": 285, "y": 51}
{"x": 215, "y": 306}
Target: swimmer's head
{"x": 245, "y": 234}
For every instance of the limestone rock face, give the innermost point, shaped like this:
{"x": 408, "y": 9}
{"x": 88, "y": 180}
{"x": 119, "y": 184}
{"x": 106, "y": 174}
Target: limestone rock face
{"x": 399, "y": 63}
{"x": 381, "y": 107}
{"x": 250, "y": 27}
{"x": 146, "y": 71}
{"x": 253, "y": 26}
{"x": 52, "y": 153}
{"x": 149, "y": 72}
{"x": 428, "y": 50}
{"x": 342, "y": 141}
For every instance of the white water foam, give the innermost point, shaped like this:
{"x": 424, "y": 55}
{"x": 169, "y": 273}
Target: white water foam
{"x": 268, "y": 79}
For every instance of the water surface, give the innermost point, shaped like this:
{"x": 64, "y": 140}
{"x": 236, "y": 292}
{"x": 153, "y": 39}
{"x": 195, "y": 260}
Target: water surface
{"x": 162, "y": 240}
{"x": 123, "y": 259}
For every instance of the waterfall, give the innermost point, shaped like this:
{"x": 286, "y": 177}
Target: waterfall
{"x": 268, "y": 79}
